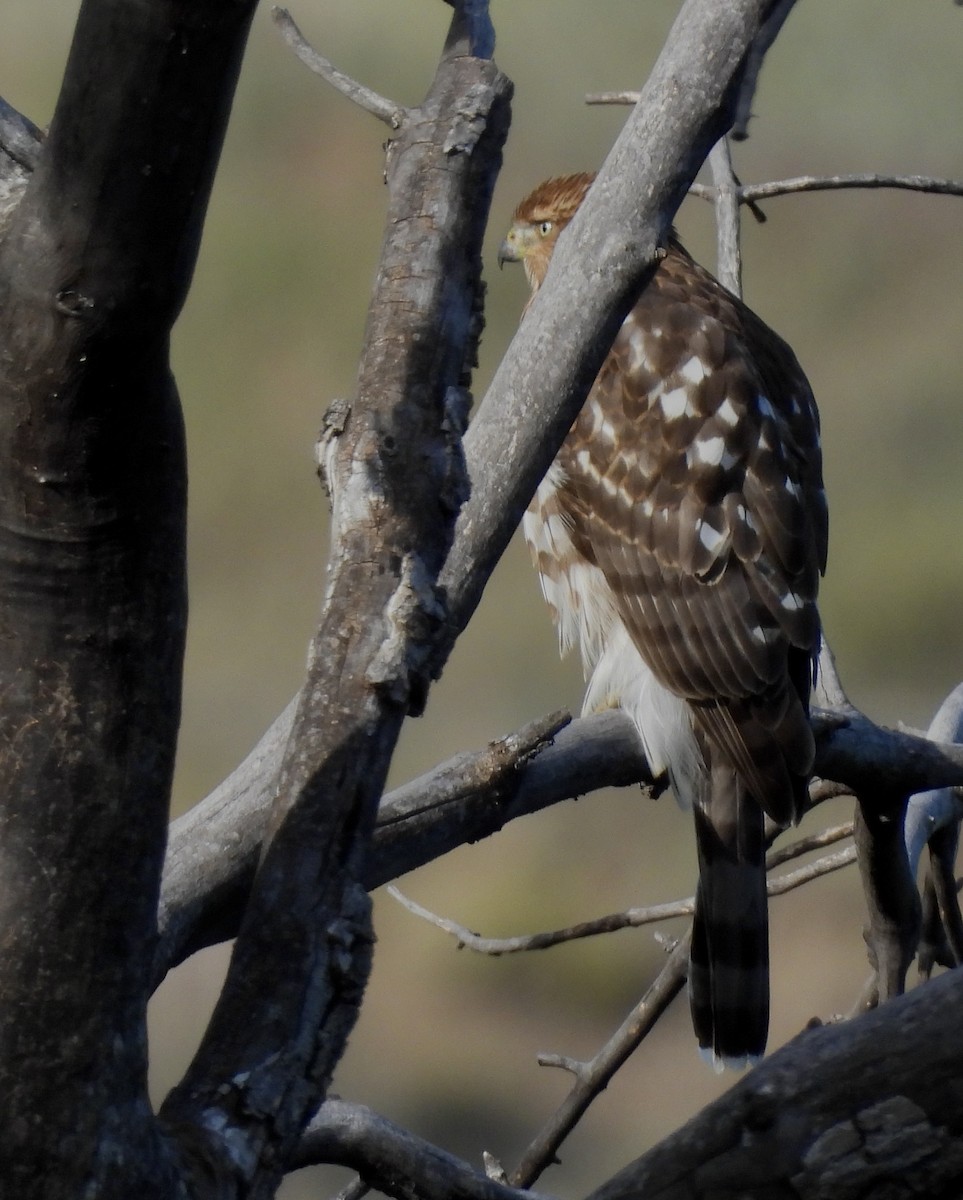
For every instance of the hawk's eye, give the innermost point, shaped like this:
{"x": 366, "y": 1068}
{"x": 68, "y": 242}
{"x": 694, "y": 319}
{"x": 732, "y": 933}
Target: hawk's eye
{"x": 545, "y": 228}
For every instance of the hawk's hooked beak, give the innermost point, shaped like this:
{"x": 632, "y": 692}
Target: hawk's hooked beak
{"x": 508, "y": 251}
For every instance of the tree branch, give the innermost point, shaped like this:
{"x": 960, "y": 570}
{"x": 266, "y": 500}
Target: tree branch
{"x": 635, "y": 918}
{"x": 595, "y": 275}
{"x": 20, "y": 146}
{"x": 729, "y": 253}
{"x": 827, "y": 1115}
{"x": 96, "y": 257}
{"x": 301, "y": 959}
{"x": 393, "y": 115}
{"x": 752, "y": 193}
{"x": 592, "y": 1077}
{"x": 391, "y": 1159}
{"x": 213, "y": 849}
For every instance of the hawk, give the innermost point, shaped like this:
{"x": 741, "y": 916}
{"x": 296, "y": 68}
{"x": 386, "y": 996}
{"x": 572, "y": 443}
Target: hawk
{"x": 679, "y": 536}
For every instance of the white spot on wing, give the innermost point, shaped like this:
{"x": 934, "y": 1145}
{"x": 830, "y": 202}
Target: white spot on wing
{"x": 727, "y": 413}
{"x": 711, "y": 538}
{"x": 606, "y": 431}
{"x": 676, "y": 403}
{"x": 694, "y": 369}
{"x": 710, "y": 450}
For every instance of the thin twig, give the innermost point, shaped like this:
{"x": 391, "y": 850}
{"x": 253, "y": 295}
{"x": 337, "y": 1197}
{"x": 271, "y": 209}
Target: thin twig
{"x": 814, "y": 870}
{"x": 750, "y": 192}
{"x": 813, "y": 841}
{"x": 612, "y": 97}
{"x": 592, "y": 1077}
{"x": 634, "y": 918}
{"x": 385, "y": 110}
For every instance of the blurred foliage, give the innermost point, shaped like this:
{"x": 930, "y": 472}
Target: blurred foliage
{"x": 866, "y": 286}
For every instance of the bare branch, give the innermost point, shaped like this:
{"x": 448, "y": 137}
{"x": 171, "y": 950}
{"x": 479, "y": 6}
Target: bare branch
{"x": 814, "y": 841}
{"x": 612, "y": 97}
{"x": 750, "y": 193}
{"x": 892, "y": 900}
{"x": 393, "y": 115}
{"x": 729, "y": 252}
{"x": 827, "y": 1115}
{"x": 634, "y": 918}
{"x": 937, "y": 808}
{"x": 213, "y": 849}
{"x": 631, "y": 918}
{"x": 591, "y": 1078}
{"x": 301, "y": 960}
{"x": 814, "y": 870}
{"x": 20, "y": 140}
{"x": 943, "y": 849}
{"x": 391, "y": 1159}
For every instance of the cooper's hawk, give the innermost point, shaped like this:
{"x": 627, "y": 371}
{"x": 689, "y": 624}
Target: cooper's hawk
{"x": 679, "y": 536}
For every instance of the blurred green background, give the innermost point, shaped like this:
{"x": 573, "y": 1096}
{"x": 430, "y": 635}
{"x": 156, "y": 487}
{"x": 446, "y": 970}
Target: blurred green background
{"x": 866, "y": 287}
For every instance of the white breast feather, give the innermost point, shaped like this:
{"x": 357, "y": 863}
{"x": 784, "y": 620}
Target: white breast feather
{"x": 586, "y": 614}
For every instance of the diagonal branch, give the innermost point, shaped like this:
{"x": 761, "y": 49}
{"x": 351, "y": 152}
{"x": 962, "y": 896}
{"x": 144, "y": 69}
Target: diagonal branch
{"x": 393, "y": 115}
{"x": 592, "y": 1077}
{"x": 687, "y": 105}
{"x": 396, "y": 472}
{"x": 827, "y": 1115}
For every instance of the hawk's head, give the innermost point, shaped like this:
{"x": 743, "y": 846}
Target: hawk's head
{"x": 538, "y": 221}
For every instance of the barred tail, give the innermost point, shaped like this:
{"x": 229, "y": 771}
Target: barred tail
{"x": 729, "y": 960}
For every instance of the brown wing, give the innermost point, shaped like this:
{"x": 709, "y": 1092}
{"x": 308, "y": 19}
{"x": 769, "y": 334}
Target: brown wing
{"x": 694, "y": 483}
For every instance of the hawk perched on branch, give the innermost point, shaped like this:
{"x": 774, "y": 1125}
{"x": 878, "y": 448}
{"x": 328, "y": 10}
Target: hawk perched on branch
{"x": 679, "y": 535}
